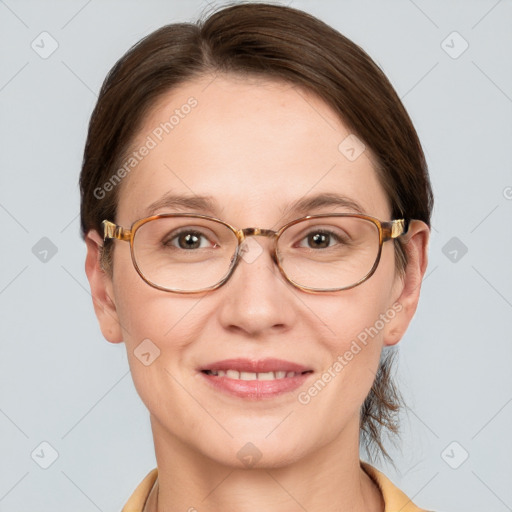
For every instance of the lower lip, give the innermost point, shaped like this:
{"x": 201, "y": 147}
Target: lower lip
{"x": 256, "y": 389}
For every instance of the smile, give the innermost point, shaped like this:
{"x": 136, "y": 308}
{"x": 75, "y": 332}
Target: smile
{"x": 249, "y": 376}
{"x": 255, "y": 385}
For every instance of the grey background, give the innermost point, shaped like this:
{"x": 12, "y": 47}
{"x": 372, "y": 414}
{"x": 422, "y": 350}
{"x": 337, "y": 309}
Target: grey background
{"x": 62, "y": 383}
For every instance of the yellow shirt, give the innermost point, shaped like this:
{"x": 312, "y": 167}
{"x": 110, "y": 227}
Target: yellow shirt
{"x": 395, "y": 500}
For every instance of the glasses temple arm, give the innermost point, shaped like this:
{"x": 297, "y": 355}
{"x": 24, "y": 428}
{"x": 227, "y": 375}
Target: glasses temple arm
{"x": 111, "y": 230}
{"x": 395, "y": 228}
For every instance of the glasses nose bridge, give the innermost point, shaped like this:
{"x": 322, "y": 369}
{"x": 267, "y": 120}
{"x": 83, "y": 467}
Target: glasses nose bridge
{"x": 242, "y": 234}
{"x": 256, "y": 232}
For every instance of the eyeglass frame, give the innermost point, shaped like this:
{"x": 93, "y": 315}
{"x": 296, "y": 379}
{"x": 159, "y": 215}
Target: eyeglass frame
{"x": 388, "y": 230}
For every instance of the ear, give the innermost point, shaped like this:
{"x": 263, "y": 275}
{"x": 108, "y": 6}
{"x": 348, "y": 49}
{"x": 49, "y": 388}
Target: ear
{"x": 101, "y": 290}
{"x": 408, "y": 286}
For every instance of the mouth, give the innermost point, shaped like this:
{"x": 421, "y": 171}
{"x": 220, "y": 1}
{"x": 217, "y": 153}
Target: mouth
{"x": 256, "y": 380}
{"x": 241, "y": 375}
{"x": 262, "y": 366}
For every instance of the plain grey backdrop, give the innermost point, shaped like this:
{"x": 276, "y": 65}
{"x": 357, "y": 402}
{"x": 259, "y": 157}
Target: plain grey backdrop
{"x": 74, "y": 434}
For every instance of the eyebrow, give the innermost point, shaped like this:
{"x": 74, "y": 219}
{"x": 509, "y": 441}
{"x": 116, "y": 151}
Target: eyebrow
{"x": 318, "y": 201}
{"x": 208, "y": 205}
{"x": 205, "y": 204}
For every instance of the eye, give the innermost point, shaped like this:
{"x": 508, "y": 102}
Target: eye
{"x": 187, "y": 239}
{"x": 323, "y": 238}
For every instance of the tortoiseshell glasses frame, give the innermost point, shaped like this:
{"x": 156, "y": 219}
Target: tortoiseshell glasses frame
{"x": 387, "y": 230}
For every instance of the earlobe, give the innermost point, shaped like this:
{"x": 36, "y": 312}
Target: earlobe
{"x": 101, "y": 290}
{"x": 416, "y": 248}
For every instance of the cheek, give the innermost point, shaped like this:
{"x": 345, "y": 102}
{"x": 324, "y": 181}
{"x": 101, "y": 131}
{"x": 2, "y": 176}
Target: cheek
{"x": 168, "y": 320}
{"x": 156, "y": 325}
{"x": 335, "y": 397}
{"x": 356, "y": 322}
{"x": 159, "y": 331}
{"x": 362, "y": 313}
{"x": 143, "y": 311}
{"x": 356, "y": 346}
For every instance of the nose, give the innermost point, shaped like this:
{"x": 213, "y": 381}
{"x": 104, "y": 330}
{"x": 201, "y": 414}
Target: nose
{"x": 257, "y": 299}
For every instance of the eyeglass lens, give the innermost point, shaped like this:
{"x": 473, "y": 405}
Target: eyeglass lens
{"x": 188, "y": 253}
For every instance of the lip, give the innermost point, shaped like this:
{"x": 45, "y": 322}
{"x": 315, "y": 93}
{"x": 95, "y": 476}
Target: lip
{"x": 256, "y": 389}
{"x": 261, "y": 366}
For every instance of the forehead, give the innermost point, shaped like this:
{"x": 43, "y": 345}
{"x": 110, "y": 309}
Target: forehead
{"x": 253, "y": 146}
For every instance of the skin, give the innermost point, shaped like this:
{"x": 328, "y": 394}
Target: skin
{"x": 254, "y": 146}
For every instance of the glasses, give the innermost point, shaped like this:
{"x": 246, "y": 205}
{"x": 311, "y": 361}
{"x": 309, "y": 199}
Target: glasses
{"x": 190, "y": 253}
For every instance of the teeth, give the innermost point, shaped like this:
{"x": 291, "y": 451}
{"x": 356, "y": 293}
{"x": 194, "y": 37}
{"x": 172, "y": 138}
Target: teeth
{"x": 234, "y": 374}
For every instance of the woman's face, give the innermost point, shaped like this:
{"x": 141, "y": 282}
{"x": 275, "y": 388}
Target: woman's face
{"x": 254, "y": 148}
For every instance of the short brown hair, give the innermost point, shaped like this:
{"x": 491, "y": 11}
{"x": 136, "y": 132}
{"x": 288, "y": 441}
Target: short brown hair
{"x": 276, "y": 42}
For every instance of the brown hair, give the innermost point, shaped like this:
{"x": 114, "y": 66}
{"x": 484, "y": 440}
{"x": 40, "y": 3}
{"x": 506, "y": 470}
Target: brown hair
{"x": 283, "y": 43}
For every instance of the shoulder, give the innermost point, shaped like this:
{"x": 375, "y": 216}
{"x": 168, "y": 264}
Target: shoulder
{"x": 395, "y": 500}
{"x": 138, "y": 498}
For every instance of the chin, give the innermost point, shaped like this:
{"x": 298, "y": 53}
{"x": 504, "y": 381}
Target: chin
{"x": 256, "y": 452}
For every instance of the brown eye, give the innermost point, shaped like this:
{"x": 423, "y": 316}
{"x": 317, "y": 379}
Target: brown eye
{"x": 322, "y": 239}
{"x": 319, "y": 240}
{"x": 187, "y": 240}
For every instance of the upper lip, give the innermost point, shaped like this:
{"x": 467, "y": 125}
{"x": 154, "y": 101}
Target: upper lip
{"x": 251, "y": 365}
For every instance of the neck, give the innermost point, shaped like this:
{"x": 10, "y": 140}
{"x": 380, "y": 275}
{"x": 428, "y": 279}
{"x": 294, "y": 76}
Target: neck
{"x": 330, "y": 479}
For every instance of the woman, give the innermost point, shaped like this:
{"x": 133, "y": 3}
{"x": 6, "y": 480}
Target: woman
{"x": 276, "y": 203}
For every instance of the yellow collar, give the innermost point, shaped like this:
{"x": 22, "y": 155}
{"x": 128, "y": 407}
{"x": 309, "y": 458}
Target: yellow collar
{"x": 394, "y": 499}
